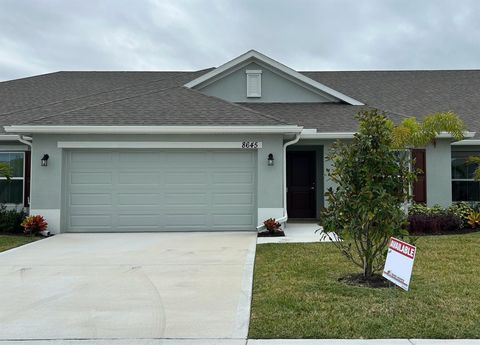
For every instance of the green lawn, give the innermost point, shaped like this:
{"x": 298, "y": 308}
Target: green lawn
{"x": 297, "y": 294}
{"x": 12, "y": 241}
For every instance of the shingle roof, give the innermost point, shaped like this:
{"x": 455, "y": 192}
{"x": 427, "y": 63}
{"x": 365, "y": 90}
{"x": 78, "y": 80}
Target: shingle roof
{"x": 412, "y": 93}
{"x": 159, "y": 98}
{"x": 325, "y": 117}
{"x": 121, "y": 98}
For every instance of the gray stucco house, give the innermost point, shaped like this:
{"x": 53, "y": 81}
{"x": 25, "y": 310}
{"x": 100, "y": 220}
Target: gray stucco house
{"x": 217, "y": 149}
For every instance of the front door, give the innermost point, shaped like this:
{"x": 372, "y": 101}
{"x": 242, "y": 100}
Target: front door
{"x": 301, "y": 189}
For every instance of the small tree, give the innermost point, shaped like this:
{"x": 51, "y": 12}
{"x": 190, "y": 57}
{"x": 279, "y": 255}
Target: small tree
{"x": 411, "y": 133}
{"x": 373, "y": 178}
{"x": 372, "y": 181}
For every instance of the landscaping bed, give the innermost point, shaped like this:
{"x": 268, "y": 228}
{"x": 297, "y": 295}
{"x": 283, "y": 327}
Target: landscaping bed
{"x": 297, "y": 294}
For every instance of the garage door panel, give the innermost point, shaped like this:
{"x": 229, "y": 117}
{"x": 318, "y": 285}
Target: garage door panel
{"x": 87, "y": 159}
{"x": 238, "y": 199}
{"x": 161, "y": 190}
{"x": 186, "y": 199}
{"x": 138, "y": 178}
{"x": 90, "y": 220}
{"x": 138, "y": 199}
{"x": 173, "y": 178}
{"x": 91, "y": 178}
{"x": 235, "y": 159}
{"x": 85, "y": 199}
{"x": 231, "y": 219}
{"x": 130, "y": 219}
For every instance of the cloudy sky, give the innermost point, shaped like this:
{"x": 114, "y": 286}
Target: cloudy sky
{"x": 41, "y": 36}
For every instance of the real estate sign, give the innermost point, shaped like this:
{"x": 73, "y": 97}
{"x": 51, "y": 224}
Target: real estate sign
{"x": 399, "y": 264}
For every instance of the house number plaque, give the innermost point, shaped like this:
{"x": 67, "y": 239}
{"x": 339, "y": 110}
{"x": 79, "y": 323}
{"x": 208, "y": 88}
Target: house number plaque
{"x": 251, "y": 145}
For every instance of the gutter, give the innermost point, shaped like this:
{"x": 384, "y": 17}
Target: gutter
{"x": 152, "y": 129}
{"x": 284, "y": 218}
{"x": 349, "y": 135}
{"x": 25, "y": 140}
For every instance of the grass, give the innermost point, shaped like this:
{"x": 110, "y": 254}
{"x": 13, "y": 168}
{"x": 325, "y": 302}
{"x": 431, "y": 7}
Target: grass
{"x": 297, "y": 294}
{"x": 12, "y": 241}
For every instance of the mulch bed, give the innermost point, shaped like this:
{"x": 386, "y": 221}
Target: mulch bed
{"x": 276, "y": 233}
{"x": 441, "y": 233}
{"x": 376, "y": 281}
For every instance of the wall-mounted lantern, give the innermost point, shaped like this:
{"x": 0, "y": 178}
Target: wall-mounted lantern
{"x": 270, "y": 160}
{"x": 44, "y": 161}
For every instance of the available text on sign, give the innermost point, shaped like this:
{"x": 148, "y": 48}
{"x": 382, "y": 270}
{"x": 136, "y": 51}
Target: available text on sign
{"x": 399, "y": 264}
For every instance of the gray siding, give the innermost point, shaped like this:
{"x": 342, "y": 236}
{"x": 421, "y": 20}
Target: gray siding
{"x": 275, "y": 88}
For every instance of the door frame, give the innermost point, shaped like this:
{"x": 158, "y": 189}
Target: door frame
{"x": 319, "y": 174}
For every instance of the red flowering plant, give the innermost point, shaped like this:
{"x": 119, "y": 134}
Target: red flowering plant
{"x": 273, "y": 228}
{"x": 271, "y": 224}
{"x": 32, "y": 225}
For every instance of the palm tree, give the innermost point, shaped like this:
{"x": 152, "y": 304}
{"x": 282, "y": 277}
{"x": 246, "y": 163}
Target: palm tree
{"x": 5, "y": 170}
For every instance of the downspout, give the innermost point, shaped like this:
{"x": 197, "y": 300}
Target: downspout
{"x": 25, "y": 140}
{"x": 284, "y": 218}
{"x": 288, "y": 143}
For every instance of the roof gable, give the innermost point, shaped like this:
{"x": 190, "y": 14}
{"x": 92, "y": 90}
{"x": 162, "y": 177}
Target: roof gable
{"x": 254, "y": 56}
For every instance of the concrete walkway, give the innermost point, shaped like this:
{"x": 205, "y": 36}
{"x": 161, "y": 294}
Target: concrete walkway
{"x": 299, "y": 232}
{"x": 127, "y": 286}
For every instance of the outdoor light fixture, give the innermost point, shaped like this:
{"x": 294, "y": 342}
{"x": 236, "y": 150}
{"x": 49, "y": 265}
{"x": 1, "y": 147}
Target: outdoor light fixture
{"x": 44, "y": 160}
{"x": 270, "y": 159}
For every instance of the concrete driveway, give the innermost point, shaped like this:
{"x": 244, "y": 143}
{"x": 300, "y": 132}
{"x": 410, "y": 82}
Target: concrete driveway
{"x": 144, "y": 285}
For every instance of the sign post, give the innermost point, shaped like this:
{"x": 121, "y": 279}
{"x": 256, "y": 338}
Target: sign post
{"x": 399, "y": 263}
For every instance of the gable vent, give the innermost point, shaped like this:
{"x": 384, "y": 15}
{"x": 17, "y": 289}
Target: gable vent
{"x": 254, "y": 83}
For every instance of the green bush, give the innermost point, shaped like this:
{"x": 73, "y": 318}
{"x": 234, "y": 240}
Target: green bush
{"x": 422, "y": 210}
{"x": 462, "y": 210}
{"x": 11, "y": 220}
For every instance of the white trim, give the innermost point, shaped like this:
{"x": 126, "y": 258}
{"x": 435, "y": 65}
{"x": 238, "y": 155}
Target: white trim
{"x": 445, "y": 135}
{"x": 307, "y": 134}
{"x": 153, "y": 145}
{"x": 9, "y": 148}
{"x": 152, "y": 129}
{"x": 327, "y": 135}
{"x": 8, "y": 137}
{"x": 253, "y": 71}
{"x": 287, "y": 70}
{"x": 467, "y": 142}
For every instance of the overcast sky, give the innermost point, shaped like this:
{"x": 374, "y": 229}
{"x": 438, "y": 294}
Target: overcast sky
{"x": 49, "y": 35}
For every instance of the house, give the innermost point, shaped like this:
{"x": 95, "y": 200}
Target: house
{"x": 217, "y": 149}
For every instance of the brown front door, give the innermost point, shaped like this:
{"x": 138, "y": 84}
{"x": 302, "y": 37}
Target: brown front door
{"x": 301, "y": 200}
{"x": 420, "y": 185}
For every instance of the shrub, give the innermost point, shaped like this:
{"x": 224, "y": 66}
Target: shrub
{"x": 434, "y": 223}
{"x": 474, "y": 219}
{"x": 34, "y": 224}
{"x": 11, "y": 220}
{"x": 418, "y": 209}
{"x": 462, "y": 210}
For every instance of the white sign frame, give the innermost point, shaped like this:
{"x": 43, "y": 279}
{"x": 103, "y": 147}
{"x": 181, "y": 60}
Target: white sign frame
{"x": 399, "y": 264}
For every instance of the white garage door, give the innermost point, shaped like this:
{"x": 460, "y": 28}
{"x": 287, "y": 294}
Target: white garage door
{"x": 128, "y": 190}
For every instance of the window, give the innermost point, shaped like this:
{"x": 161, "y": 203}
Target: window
{"x": 11, "y": 192}
{"x": 464, "y": 187}
{"x": 254, "y": 83}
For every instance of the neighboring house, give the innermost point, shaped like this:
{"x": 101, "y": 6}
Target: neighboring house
{"x": 217, "y": 149}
